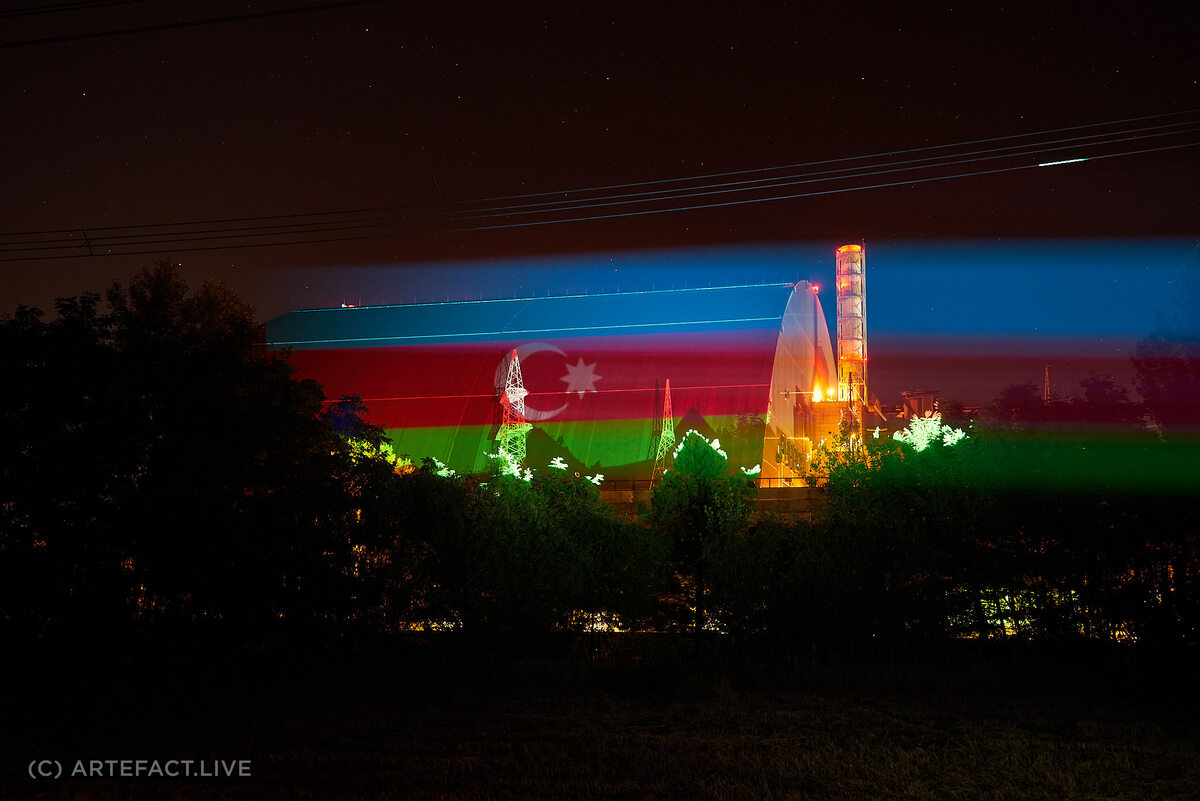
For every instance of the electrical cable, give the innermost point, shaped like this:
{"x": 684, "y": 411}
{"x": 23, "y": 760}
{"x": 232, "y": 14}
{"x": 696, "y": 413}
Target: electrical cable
{"x": 169, "y": 26}
{"x": 835, "y": 170}
{"x": 844, "y": 158}
{"x": 258, "y": 231}
{"x": 391, "y": 209}
{"x": 690, "y": 193}
{"x": 810, "y": 194}
{"x": 94, "y": 243}
{"x": 207, "y": 222}
{"x": 55, "y": 8}
{"x": 158, "y": 240}
{"x": 210, "y": 247}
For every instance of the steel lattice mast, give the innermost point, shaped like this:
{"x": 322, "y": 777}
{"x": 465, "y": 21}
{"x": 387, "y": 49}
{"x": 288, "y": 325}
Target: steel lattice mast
{"x": 513, "y": 427}
{"x": 851, "y": 324}
{"x": 666, "y": 438}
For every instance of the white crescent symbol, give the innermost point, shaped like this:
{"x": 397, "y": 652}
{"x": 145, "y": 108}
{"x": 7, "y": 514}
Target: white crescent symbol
{"x": 523, "y": 352}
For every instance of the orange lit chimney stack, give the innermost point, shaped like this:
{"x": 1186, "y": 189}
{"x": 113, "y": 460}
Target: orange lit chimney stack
{"x": 851, "y": 324}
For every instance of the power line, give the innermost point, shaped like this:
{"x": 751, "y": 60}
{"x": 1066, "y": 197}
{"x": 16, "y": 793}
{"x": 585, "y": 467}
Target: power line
{"x": 683, "y": 194}
{"x": 273, "y": 220}
{"x": 838, "y": 169}
{"x": 809, "y": 194}
{"x": 841, "y": 159}
{"x": 302, "y": 226}
{"x": 96, "y": 242}
{"x": 209, "y": 247}
{"x": 154, "y": 239}
{"x": 281, "y": 12}
{"x": 55, "y": 8}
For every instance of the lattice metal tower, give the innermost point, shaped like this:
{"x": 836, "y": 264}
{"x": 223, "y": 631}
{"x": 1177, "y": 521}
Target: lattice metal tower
{"x": 851, "y": 324}
{"x": 513, "y": 427}
{"x": 666, "y": 438}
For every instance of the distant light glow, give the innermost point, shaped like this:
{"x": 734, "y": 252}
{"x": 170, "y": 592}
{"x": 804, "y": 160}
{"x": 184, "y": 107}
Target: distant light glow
{"x": 817, "y": 394}
{"x": 1064, "y": 161}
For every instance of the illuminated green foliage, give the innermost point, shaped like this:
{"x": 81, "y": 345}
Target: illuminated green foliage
{"x": 697, "y": 457}
{"x": 441, "y": 469}
{"x": 383, "y": 451}
{"x": 924, "y": 431}
{"x": 502, "y": 463}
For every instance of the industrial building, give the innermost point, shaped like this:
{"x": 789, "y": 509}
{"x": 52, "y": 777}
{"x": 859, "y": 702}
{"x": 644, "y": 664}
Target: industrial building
{"x": 753, "y": 365}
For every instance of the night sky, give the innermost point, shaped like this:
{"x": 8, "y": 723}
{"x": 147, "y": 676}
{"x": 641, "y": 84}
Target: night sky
{"x": 418, "y": 112}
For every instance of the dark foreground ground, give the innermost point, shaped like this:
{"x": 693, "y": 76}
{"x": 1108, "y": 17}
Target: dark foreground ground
{"x": 449, "y": 725}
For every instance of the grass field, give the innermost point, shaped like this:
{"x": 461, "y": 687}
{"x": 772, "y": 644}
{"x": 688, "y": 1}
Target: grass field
{"x": 456, "y": 728}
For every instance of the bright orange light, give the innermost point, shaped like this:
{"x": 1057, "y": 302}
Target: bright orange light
{"x": 817, "y": 396}
{"x": 849, "y": 248}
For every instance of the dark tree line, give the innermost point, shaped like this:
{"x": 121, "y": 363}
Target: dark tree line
{"x": 1103, "y": 404}
{"x": 1008, "y": 534}
{"x": 160, "y": 467}
{"x": 166, "y": 479}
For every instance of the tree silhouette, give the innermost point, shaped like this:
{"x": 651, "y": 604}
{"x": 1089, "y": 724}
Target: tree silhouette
{"x": 163, "y": 471}
{"x": 1168, "y": 360}
{"x": 697, "y": 508}
{"x": 1168, "y": 377}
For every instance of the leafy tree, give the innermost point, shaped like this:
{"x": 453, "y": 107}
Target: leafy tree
{"x": 512, "y": 561}
{"x": 1168, "y": 360}
{"x": 1031, "y": 534}
{"x": 68, "y": 469}
{"x": 1168, "y": 366}
{"x": 1106, "y": 403}
{"x": 954, "y": 414}
{"x": 872, "y": 568}
{"x": 164, "y": 471}
{"x": 347, "y": 418}
{"x": 1019, "y": 405}
{"x": 700, "y": 511}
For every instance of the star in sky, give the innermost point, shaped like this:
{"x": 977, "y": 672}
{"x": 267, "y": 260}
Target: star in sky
{"x": 581, "y": 377}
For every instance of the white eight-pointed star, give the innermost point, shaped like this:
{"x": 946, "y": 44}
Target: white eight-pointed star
{"x": 581, "y": 377}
